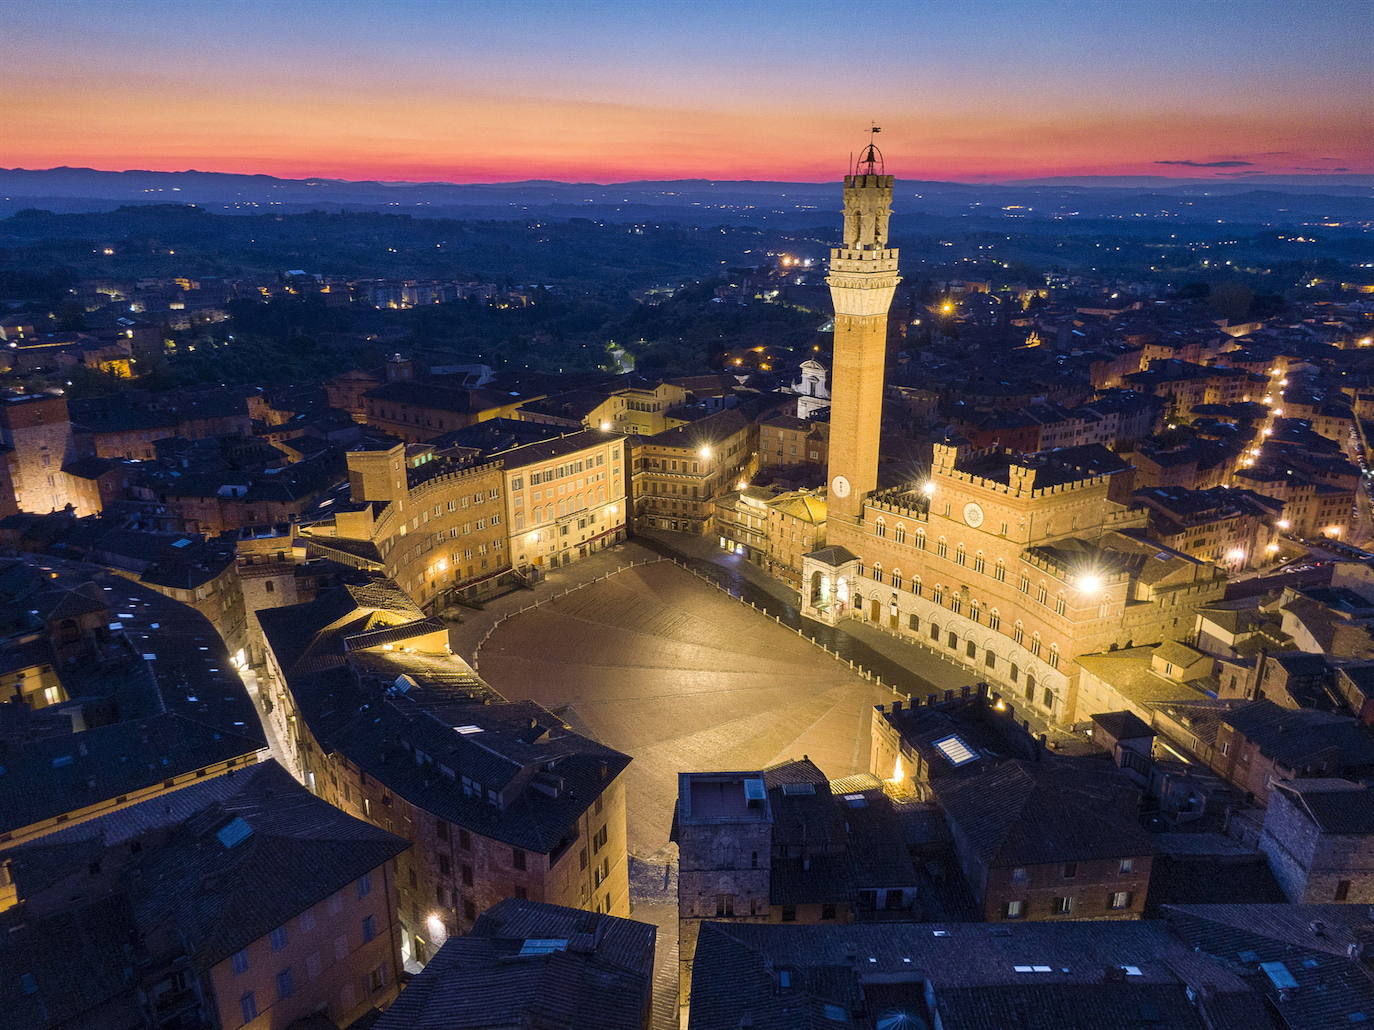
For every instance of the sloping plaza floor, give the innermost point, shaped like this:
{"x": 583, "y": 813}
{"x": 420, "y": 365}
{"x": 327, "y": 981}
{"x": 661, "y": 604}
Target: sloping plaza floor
{"x": 656, "y": 663}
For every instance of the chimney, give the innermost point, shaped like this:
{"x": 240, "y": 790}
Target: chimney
{"x": 896, "y": 707}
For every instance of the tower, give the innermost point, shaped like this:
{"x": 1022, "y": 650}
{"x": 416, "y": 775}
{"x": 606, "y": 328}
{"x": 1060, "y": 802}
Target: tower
{"x": 863, "y": 277}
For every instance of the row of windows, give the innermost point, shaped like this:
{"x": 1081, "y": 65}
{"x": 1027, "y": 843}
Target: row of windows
{"x": 976, "y": 611}
{"x": 571, "y": 468}
{"x": 286, "y": 985}
{"x": 1065, "y": 905}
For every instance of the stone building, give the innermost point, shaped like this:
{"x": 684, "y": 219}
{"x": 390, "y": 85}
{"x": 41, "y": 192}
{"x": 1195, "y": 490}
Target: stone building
{"x": 677, "y": 474}
{"x": 36, "y": 442}
{"x": 500, "y": 799}
{"x": 785, "y": 845}
{"x": 1318, "y": 835}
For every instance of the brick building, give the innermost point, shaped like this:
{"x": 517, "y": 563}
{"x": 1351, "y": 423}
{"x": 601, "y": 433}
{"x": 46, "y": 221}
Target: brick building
{"x": 238, "y": 902}
{"x": 500, "y": 799}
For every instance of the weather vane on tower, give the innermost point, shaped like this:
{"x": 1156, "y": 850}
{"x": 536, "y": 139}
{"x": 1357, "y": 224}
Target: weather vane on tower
{"x": 871, "y": 159}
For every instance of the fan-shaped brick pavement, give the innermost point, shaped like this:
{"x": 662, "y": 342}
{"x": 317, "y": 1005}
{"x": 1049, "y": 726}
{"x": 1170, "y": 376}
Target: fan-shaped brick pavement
{"x": 680, "y": 676}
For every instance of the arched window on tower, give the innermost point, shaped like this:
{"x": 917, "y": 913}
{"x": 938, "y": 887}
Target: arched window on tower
{"x": 877, "y": 572}
{"x": 899, "y": 533}
{"x": 979, "y": 562}
{"x": 897, "y": 578}
{"x": 880, "y": 527}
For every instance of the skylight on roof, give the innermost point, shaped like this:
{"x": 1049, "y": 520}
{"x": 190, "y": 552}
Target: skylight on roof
{"x": 1279, "y": 975}
{"x": 466, "y": 730}
{"x": 234, "y": 832}
{"x": 543, "y": 945}
{"x": 955, "y": 750}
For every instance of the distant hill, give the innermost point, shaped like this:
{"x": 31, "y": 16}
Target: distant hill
{"x": 1279, "y": 199}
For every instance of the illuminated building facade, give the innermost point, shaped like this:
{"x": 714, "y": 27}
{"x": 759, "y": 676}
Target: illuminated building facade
{"x": 435, "y": 524}
{"x": 1010, "y": 564}
{"x": 499, "y": 799}
{"x": 565, "y": 498}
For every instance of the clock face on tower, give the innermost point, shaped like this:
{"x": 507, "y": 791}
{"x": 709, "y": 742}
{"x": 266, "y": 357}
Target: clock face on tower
{"x": 973, "y": 515}
{"x": 840, "y": 486}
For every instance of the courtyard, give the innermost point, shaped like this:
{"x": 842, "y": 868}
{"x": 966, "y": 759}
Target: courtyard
{"x": 680, "y": 676}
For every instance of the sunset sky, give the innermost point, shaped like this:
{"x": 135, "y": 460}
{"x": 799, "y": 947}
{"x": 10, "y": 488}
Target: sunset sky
{"x": 594, "y": 90}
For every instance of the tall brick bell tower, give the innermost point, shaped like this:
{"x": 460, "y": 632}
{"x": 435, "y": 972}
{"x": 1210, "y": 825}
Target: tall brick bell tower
{"x": 863, "y": 278}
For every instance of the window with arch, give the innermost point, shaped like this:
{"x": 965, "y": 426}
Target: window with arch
{"x": 975, "y": 611}
{"x": 859, "y": 603}
{"x": 938, "y": 594}
{"x": 1054, "y": 656}
{"x": 956, "y": 602}
{"x": 899, "y": 533}
{"x": 1102, "y": 610}
{"x": 960, "y": 555}
{"x": 897, "y": 578}
{"x": 1000, "y": 573}
{"x": 1019, "y": 633}
{"x": 1035, "y": 644}
{"x": 861, "y": 570}
{"x": 1041, "y": 594}
{"x": 1059, "y": 605}
{"x": 880, "y": 527}
{"x": 942, "y": 548}
{"x": 1024, "y": 584}
{"x": 916, "y": 585}
{"x": 994, "y": 619}
{"x": 877, "y": 572}
{"x": 980, "y": 563}
{"x": 920, "y": 539}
